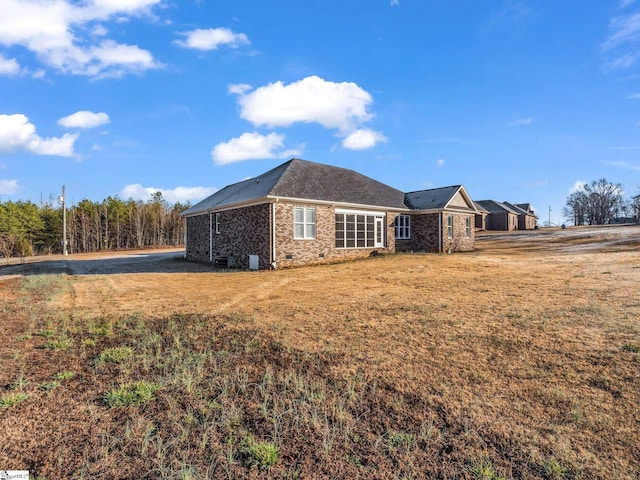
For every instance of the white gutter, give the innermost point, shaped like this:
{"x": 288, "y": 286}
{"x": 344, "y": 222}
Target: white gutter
{"x": 185, "y": 237}
{"x": 210, "y": 237}
{"x": 271, "y": 198}
{"x": 440, "y": 233}
{"x": 273, "y": 234}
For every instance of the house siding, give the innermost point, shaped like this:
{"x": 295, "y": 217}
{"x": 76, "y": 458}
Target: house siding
{"x": 292, "y": 252}
{"x": 424, "y": 234}
{"x": 502, "y": 221}
{"x": 243, "y": 231}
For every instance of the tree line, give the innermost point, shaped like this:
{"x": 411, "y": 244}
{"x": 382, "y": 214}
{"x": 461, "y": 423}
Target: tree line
{"x": 28, "y": 229}
{"x": 601, "y": 202}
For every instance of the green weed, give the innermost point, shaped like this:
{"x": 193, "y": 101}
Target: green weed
{"x": 48, "y": 386}
{"x": 554, "y": 469}
{"x": 61, "y": 344}
{"x": 631, "y": 347}
{"x": 135, "y": 393}
{"x": 12, "y": 399}
{"x": 483, "y": 469}
{"x": 261, "y": 454}
{"x": 65, "y": 375}
{"x": 115, "y": 355}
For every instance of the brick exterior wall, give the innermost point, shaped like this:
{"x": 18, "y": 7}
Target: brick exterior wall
{"x": 243, "y": 231}
{"x": 424, "y": 234}
{"x": 526, "y": 222}
{"x": 502, "y": 221}
{"x": 291, "y": 252}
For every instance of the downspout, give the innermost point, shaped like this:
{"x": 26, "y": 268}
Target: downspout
{"x": 185, "y": 236}
{"x": 210, "y": 237}
{"x": 440, "y": 232}
{"x": 273, "y": 235}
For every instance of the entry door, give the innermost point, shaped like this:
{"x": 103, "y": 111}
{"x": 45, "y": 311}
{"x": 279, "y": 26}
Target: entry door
{"x": 379, "y": 238}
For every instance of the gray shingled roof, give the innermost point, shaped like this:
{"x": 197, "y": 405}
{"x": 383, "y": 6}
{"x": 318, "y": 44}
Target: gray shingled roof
{"x": 306, "y": 180}
{"x": 496, "y": 207}
{"x": 516, "y": 208}
{"x": 433, "y": 198}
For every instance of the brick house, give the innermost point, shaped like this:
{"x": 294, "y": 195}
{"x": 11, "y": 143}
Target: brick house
{"x": 442, "y": 220}
{"x": 304, "y": 212}
{"x": 527, "y": 219}
{"x": 500, "y": 216}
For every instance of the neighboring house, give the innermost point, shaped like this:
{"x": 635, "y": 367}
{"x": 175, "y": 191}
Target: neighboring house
{"x": 441, "y": 220}
{"x": 481, "y": 217}
{"x": 527, "y": 219}
{"x": 500, "y": 216}
{"x": 303, "y": 212}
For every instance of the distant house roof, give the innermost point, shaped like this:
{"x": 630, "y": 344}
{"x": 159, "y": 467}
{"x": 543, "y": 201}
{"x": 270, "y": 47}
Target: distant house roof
{"x": 453, "y": 197}
{"x": 304, "y": 180}
{"x": 526, "y": 207}
{"x": 519, "y": 210}
{"x": 496, "y": 207}
{"x": 480, "y": 208}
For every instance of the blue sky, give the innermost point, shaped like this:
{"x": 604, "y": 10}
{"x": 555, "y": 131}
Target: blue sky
{"x": 517, "y": 100}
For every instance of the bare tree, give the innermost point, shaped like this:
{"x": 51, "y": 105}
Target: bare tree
{"x": 596, "y": 203}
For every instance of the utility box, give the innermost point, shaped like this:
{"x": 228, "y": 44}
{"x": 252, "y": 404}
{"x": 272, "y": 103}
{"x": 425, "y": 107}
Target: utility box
{"x": 254, "y": 262}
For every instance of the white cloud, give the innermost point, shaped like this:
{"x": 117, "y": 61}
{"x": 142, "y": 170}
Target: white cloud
{"x": 363, "y": 139}
{"x": 18, "y": 133}
{"x": 171, "y": 195}
{"x": 626, "y": 3}
{"x": 341, "y": 106}
{"x": 251, "y": 146}
{"x": 634, "y": 167}
{"x": 8, "y": 187}
{"x": 622, "y": 46}
{"x": 239, "y": 88}
{"x": 60, "y": 33}
{"x": 634, "y": 96}
{"x": 9, "y": 66}
{"x": 212, "y": 38}
{"x": 577, "y": 186}
{"x": 440, "y": 162}
{"x": 518, "y": 122}
{"x": 84, "y": 119}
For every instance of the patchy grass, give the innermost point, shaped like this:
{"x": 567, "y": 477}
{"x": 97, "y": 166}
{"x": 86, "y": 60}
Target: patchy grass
{"x": 12, "y": 399}
{"x": 133, "y": 393}
{"x": 489, "y": 365}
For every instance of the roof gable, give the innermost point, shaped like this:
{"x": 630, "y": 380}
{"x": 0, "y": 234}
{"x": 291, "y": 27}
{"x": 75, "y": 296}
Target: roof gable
{"x": 453, "y": 197}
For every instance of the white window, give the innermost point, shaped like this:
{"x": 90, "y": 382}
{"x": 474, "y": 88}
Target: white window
{"x": 403, "y": 227}
{"x": 468, "y": 225}
{"x": 450, "y": 226}
{"x": 217, "y": 223}
{"x": 304, "y": 223}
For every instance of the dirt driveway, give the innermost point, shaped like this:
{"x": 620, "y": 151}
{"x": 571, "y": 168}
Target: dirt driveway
{"x": 139, "y": 261}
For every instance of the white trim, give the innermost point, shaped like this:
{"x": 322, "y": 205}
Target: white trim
{"x": 361, "y": 212}
{"x": 379, "y": 220}
{"x": 305, "y": 223}
{"x": 217, "y": 223}
{"x": 210, "y": 237}
{"x": 272, "y": 198}
{"x": 273, "y": 234}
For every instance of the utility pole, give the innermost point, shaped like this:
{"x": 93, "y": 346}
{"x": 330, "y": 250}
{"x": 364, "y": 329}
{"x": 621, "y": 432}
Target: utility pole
{"x": 64, "y": 223}
{"x": 549, "y": 215}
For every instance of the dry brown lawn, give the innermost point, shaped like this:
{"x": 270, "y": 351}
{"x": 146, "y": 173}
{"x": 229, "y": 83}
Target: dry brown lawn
{"x": 519, "y": 360}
